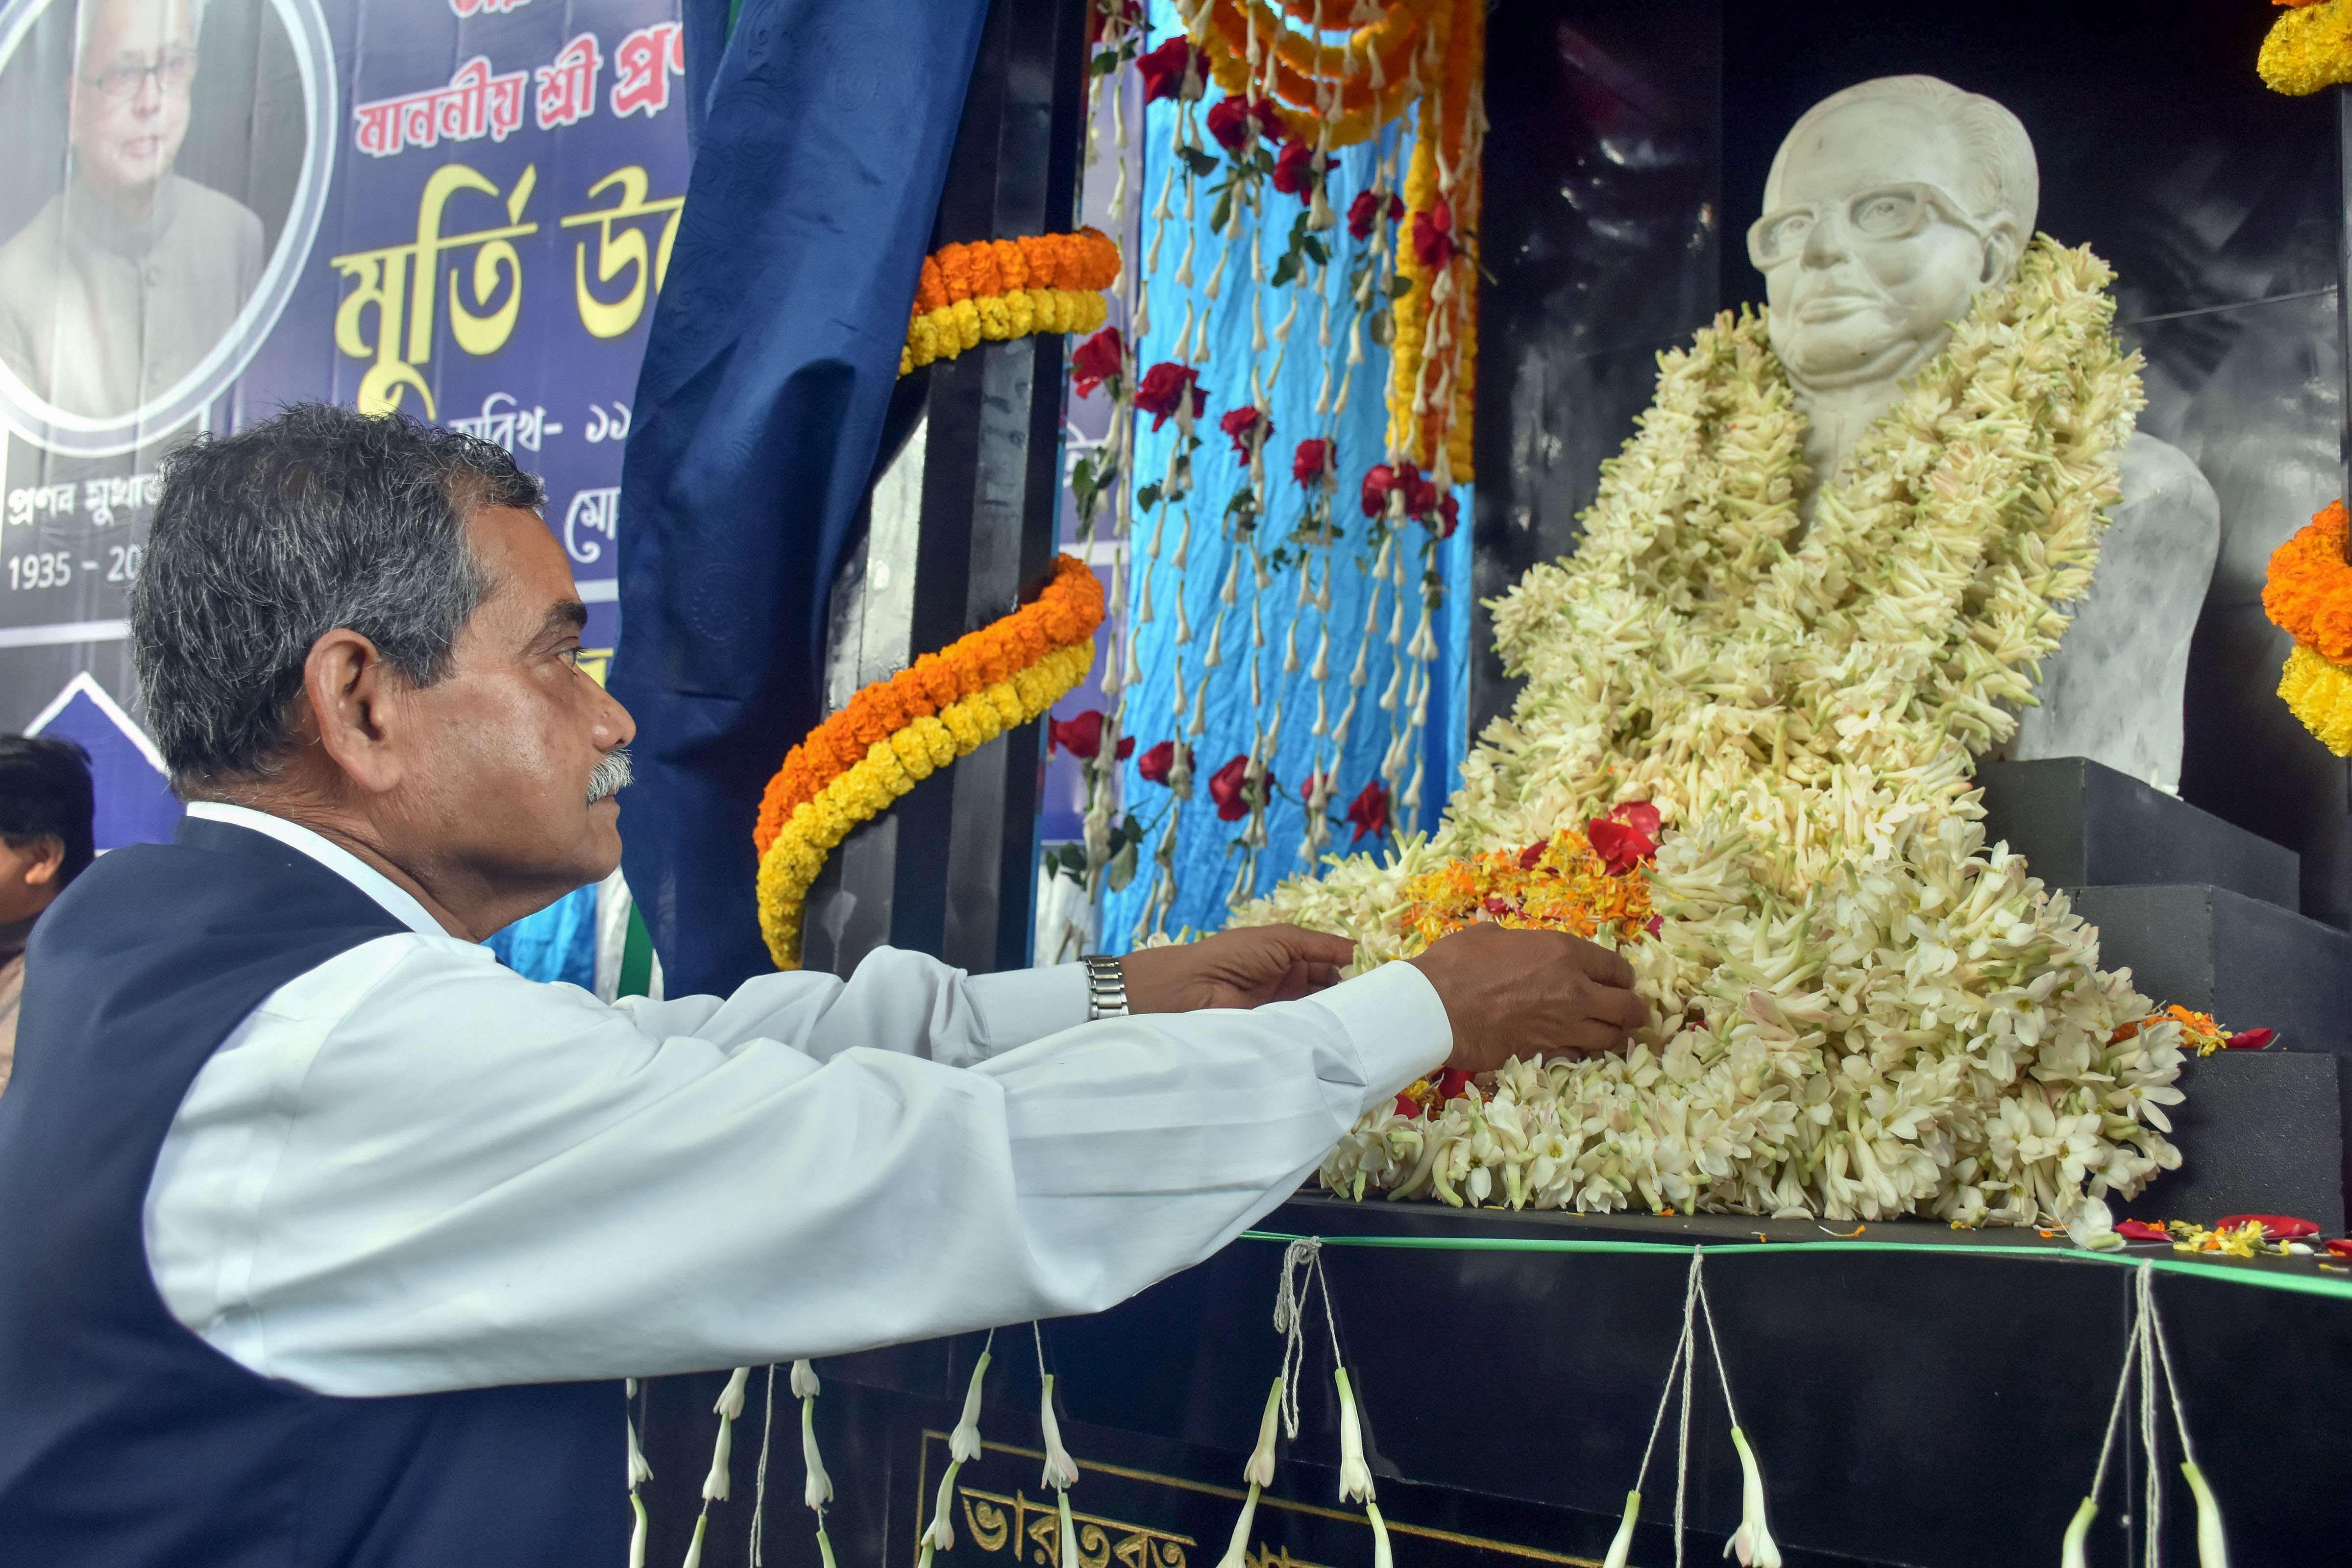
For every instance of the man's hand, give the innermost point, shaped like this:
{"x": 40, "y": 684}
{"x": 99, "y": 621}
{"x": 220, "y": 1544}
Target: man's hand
{"x": 1530, "y": 993}
{"x": 1234, "y": 969}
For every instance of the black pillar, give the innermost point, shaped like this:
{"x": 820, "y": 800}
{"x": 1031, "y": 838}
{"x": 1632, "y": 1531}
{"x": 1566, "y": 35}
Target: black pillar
{"x": 961, "y": 531}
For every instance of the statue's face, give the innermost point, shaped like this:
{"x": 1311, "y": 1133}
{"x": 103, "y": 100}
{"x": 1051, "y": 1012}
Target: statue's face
{"x": 129, "y": 97}
{"x": 1869, "y": 255}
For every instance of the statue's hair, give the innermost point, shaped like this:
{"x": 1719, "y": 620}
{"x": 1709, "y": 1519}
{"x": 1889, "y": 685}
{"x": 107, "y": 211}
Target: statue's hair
{"x": 2003, "y": 176}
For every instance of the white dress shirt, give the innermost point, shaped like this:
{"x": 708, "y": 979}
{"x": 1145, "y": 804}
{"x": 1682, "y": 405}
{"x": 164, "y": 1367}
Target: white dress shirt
{"x": 412, "y": 1169}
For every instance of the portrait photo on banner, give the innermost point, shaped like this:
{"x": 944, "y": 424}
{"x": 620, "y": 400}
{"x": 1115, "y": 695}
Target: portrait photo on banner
{"x": 165, "y": 174}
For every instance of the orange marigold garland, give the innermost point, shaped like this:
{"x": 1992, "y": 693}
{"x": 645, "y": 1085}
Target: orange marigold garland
{"x": 2307, "y": 593}
{"x": 897, "y": 732}
{"x": 997, "y": 289}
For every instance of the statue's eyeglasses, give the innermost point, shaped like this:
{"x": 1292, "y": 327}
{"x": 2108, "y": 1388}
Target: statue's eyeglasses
{"x": 121, "y": 83}
{"x": 1881, "y": 213}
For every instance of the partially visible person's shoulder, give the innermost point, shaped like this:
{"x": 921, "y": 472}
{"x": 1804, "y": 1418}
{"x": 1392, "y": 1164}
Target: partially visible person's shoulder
{"x": 216, "y": 217}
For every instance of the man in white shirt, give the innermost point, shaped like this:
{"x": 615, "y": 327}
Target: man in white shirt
{"x": 403, "y": 1171}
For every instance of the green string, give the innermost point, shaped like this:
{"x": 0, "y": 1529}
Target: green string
{"x": 2250, "y": 1274}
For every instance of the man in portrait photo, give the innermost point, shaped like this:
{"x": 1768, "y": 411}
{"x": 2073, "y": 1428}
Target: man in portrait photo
{"x": 130, "y": 275}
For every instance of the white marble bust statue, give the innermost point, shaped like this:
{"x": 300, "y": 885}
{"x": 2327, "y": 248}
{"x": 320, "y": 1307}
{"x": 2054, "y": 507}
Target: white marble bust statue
{"x": 1888, "y": 207}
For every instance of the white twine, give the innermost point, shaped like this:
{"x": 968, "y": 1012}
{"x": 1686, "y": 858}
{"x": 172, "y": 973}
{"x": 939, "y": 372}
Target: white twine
{"x": 759, "y": 1478}
{"x": 1301, "y": 1260}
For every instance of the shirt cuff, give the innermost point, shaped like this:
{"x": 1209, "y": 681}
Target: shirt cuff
{"x": 1398, "y": 1025}
{"x": 1025, "y": 1005}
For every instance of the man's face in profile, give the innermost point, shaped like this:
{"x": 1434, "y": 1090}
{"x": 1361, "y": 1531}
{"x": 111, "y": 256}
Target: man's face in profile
{"x": 131, "y": 92}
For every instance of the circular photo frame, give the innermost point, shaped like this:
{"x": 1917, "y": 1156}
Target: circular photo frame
{"x": 251, "y": 202}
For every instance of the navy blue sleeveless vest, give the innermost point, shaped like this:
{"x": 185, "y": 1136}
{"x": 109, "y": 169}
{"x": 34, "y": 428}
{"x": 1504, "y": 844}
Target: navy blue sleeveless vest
{"x": 125, "y": 1440}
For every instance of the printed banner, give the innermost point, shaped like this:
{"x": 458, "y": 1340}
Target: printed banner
{"x": 460, "y": 209}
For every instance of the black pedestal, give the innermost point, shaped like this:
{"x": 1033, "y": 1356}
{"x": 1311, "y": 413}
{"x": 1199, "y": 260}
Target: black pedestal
{"x": 2080, "y": 824}
{"x": 2262, "y": 1133}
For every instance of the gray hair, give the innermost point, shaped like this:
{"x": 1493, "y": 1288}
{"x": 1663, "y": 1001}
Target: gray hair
{"x": 2004, "y": 177}
{"x": 265, "y": 540}
{"x": 85, "y": 10}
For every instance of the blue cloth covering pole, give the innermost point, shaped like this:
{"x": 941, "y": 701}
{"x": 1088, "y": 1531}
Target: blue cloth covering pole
{"x": 822, "y": 144}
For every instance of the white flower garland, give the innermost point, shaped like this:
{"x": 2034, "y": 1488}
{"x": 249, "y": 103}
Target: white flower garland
{"x": 1863, "y": 1013}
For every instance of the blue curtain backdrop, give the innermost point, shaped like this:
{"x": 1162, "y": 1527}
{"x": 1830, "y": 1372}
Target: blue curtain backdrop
{"x": 1207, "y": 854}
{"x": 823, "y": 129}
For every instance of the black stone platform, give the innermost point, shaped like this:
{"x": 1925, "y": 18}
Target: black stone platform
{"x": 2260, "y": 1132}
{"x": 2081, "y": 823}
{"x": 1915, "y": 1396}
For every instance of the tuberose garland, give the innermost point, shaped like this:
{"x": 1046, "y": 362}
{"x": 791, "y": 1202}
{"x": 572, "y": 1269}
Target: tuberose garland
{"x": 996, "y": 289}
{"x": 894, "y": 733}
{"x": 1861, "y": 1011}
{"x": 2307, "y": 593}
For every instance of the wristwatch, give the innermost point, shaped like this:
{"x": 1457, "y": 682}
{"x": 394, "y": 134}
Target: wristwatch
{"x": 1105, "y": 987}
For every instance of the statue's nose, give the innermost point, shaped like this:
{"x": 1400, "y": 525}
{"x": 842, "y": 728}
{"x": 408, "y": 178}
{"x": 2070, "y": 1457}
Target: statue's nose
{"x": 1825, "y": 241}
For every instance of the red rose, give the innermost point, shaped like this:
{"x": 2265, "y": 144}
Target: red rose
{"x": 1096, "y": 360}
{"x": 1128, "y": 12}
{"x": 1295, "y": 171}
{"x": 1420, "y": 495}
{"x": 1164, "y": 387}
{"x": 1449, "y": 517}
{"x": 1312, "y": 461}
{"x": 1378, "y": 481}
{"x": 2250, "y": 1039}
{"x": 1365, "y": 211}
{"x": 1081, "y": 736}
{"x": 1625, "y": 837}
{"x": 2133, "y": 1230}
{"x": 1532, "y": 856}
{"x": 1452, "y": 1083}
{"x": 1232, "y": 123}
{"x": 1156, "y": 764}
{"x": 1229, "y": 787}
{"x": 1242, "y": 425}
{"x": 1269, "y": 120}
{"x": 1126, "y": 747}
{"x": 1171, "y": 70}
{"x": 1370, "y": 812}
{"x": 1432, "y": 236}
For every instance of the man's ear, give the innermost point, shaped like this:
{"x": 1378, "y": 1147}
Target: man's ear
{"x": 2000, "y": 254}
{"x": 352, "y": 695}
{"x": 52, "y": 861}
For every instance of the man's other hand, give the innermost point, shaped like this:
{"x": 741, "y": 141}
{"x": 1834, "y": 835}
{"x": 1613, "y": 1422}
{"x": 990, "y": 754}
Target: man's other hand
{"x": 1530, "y": 993}
{"x": 1234, "y": 969}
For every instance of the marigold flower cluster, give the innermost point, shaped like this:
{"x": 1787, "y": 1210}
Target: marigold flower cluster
{"x": 1433, "y": 353}
{"x": 998, "y": 289}
{"x": 2308, "y": 48}
{"x": 2307, "y": 593}
{"x": 897, "y": 732}
{"x": 1556, "y": 885}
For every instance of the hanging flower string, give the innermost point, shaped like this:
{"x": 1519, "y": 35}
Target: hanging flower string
{"x": 897, "y": 732}
{"x": 996, "y": 289}
{"x": 719, "y": 1482}
{"x": 963, "y": 1444}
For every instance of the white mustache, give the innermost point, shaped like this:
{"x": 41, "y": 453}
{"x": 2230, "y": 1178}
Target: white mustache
{"x": 612, "y": 775}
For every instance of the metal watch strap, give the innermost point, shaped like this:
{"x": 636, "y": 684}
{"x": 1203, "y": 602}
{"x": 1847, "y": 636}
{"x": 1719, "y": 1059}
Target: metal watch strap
{"x": 1105, "y": 987}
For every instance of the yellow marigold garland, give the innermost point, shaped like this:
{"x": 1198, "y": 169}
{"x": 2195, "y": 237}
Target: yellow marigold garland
{"x": 1427, "y": 412}
{"x": 997, "y": 681}
{"x": 998, "y": 289}
{"x": 2307, "y": 593}
{"x": 2308, "y": 48}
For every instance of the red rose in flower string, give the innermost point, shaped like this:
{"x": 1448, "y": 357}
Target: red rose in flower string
{"x": 1156, "y": 764}
{"x": 1232, "y": 123}
{"x": 1311, "y": 464}
{"x": 1365, "y": 211}
{"x": 1096, "y": 360}
{"x": 1098, "y": 16}
{"x": 1171, "y": 70}
{"x": 1449, "y": 517}
{"x": 1625, "y": 837}
{"x": 1242, "y": 425}
{"x": 1420, "y": 495}
{"x": 1432, "y": 236}
{"x": 1370, "y": 812}
{"x": 1229, "y": 787}
{"x": 1164, "y": 387}
{"x": 1378, "y": 479}
{"x": 1295, "y": 172}
{"x": 1081, "y": 736}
